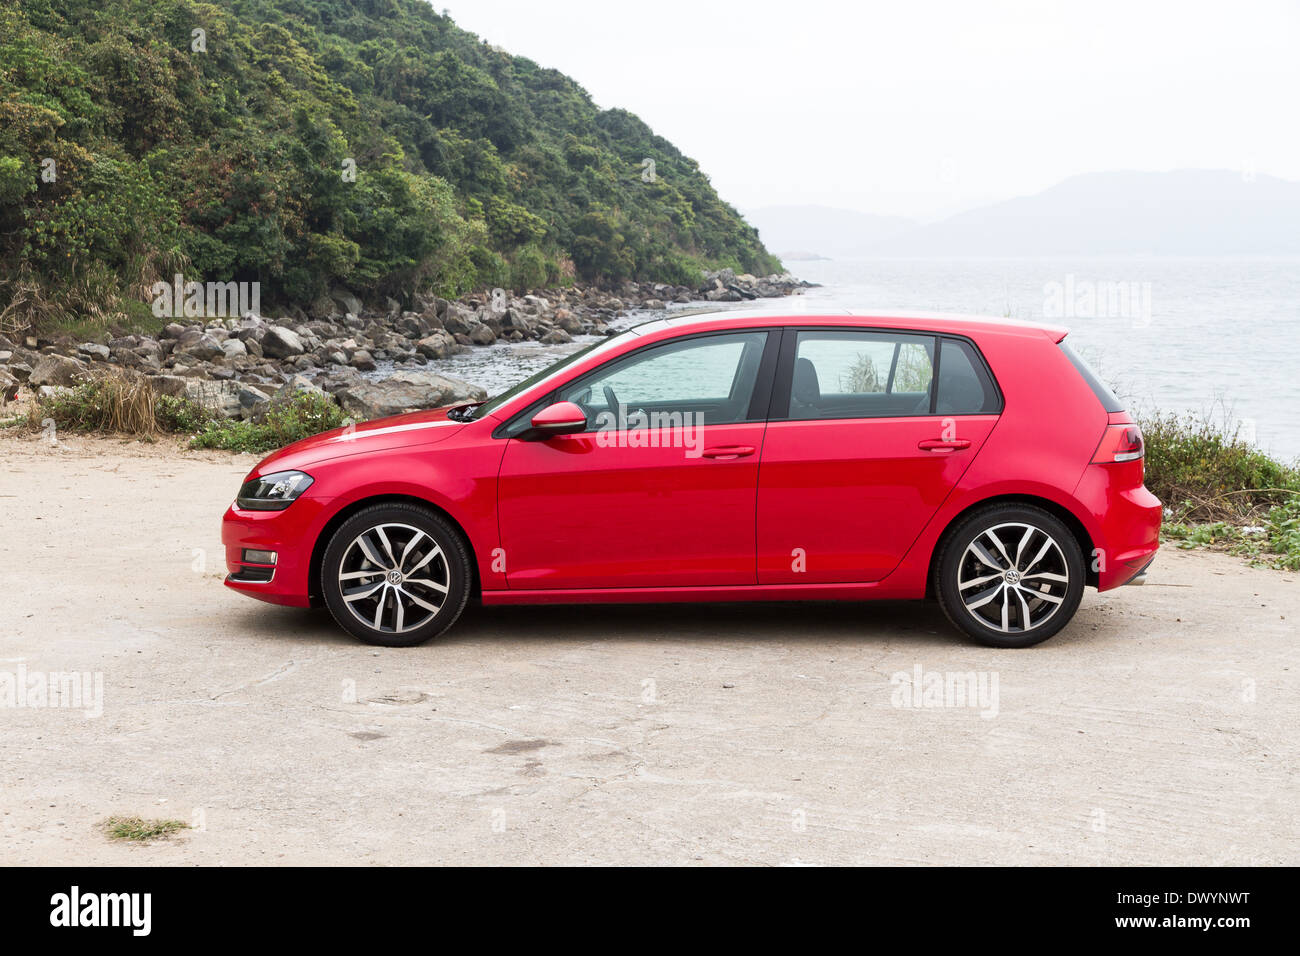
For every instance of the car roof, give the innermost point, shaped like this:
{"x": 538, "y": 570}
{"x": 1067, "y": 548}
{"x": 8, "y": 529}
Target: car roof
{"x": 707, "y": 320}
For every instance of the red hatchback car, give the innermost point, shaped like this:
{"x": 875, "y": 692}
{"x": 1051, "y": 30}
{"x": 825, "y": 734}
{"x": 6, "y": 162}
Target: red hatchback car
{"x": 724, "y": 457}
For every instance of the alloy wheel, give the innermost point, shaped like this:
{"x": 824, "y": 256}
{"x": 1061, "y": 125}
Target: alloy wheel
{"x": 394, "y": 578}
{"x": 1013, "y": 577}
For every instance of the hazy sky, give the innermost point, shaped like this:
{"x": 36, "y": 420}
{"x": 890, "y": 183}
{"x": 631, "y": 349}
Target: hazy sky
{"x": 921, "y": 108}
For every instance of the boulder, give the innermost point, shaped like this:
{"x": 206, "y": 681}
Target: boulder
{"x": 407, "y": 390}
{"x": 58, "y": 370}
{"x": 281, "y": 343}
{"x": 228, "y": 399}
{"x": 556, "y": 337}
{"x": 480, "y": 334}
{"x": 438, "y": 345}
{"x": 346, "y": 301}
{"x": 93, "y": 352}
{"x": 199, "y": 346}
{"x": 172, "y": 385}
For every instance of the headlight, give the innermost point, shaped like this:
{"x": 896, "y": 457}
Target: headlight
{"x": 273, "y": 492}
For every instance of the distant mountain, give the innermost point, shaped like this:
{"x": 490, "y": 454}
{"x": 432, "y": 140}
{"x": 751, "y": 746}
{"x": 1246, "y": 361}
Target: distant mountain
{"x": 804, "y": 232}
{"x": 1188, "y": 212}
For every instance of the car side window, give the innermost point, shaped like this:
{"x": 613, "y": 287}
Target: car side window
{"x": 964, "y": 386}
{"x": 859, "y": 374}
{"x": 710, "y": 376}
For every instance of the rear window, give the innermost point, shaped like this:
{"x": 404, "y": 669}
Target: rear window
{"x": 1104, "y": 394}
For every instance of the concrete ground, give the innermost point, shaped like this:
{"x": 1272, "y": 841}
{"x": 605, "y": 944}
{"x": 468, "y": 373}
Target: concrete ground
{"x": 1159, "y": 728}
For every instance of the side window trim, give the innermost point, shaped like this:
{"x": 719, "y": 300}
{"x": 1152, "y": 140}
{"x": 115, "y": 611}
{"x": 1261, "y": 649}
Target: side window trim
{"x": 779, "y": 408}
{"x": 758, "y": 401}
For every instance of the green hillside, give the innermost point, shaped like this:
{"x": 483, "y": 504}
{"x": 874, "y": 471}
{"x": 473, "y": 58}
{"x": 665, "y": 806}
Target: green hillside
{"x": 308, "y": 144}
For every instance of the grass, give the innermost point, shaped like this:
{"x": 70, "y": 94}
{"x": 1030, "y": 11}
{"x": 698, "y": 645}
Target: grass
{"x": 115, "y": 401}
{"x": 1221, "y": 492}
{"x": 125, "y": 403}
{"x": 140, "y": 830}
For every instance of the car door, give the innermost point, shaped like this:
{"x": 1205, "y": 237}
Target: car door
{"x": 659, "y": 491}
{"x": 870, "y": 431}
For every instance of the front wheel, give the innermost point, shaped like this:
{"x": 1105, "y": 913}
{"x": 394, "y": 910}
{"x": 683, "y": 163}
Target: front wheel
{"x": 1010, "y": 575}
{"x": 395, "y": 575}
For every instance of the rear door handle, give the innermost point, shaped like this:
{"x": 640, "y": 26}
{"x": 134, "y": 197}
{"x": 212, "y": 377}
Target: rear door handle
{"x": 943, "y": 446}
{"x": 726, "y": 452}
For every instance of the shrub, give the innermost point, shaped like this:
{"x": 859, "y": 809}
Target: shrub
{"x": 113, "y": 401}
{"x": 1206, "y": 472}
{"x": 305, "y": 415}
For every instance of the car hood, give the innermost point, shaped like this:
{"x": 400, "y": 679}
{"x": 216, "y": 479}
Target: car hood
{"x": 412, "y": 428}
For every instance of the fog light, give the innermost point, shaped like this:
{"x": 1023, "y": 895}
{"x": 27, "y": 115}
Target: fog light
{"x": 258, "y": 557}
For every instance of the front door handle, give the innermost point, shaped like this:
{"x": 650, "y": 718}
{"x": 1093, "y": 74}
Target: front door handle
{"x": 943, "y": 446}
{"x": 728, "y": 452}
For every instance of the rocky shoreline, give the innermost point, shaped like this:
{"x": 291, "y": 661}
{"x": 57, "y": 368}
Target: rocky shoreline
{"x": 243, "y": 367}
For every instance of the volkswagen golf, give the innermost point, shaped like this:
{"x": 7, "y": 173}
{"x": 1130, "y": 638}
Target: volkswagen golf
{"x": 724, "y": 457}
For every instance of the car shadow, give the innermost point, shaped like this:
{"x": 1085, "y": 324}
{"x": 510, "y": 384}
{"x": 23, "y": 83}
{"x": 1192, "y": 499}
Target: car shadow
{"x": 865, "y": 622}
{"x": 729, "y": 622}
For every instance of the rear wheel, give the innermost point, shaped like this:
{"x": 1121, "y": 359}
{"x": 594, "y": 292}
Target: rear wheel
{"x": 1010, "y": 575}
{"x": 395, "y": 575}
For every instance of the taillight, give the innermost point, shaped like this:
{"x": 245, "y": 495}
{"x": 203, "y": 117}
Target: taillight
{"x": 1119, "y": 443}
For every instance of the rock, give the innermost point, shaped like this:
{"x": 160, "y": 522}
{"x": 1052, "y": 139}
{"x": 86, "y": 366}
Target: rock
{"x": 8, "y": 386}
{"x": 56, "y": 370}
{"x": 456, "y": 320}
{"x": 556, "y": 337}
{"x": 93, "y": 352}
{"x": 346, "y": 300}
{"x": 198, "y": 344}
{"x": 281, "y": 343}
{"x": 362, "y": 361}
{"x": 405, "y": 391}
{"x": 323, "y": 307}
{"x": 227, "y": 399}
{"x": 5, "y": 356}
{"x": 172, "y": 385}
{"x": 438, "y": 345}
{"x": 234, "y": 348}
{"x": 568, "y": 320}
{"x": 656, "y": 304}
{"x": 480, "y": 334}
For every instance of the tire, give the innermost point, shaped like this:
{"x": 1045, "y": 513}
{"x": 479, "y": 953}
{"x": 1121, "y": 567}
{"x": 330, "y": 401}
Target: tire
{"x": 400, "y": 567}
{"x": 984, "y": 599}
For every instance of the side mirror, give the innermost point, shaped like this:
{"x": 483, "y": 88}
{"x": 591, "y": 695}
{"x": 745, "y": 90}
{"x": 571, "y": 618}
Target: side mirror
{"x": 562, "y": 418}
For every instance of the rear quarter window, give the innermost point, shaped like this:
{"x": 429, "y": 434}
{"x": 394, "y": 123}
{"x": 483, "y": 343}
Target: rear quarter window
{"x": 964, "y": 386}
{"x": 1099, "y": 388}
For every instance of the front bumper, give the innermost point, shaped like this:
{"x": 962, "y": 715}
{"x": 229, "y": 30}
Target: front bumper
{"x": 290, "y": 533}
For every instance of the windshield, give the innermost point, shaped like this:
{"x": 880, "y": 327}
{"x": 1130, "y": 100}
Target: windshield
{"x": 492, "y": 404}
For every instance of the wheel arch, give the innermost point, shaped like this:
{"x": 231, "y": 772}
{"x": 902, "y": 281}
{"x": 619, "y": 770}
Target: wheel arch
{"x": 348, "y": 510}
{"x": 1054, "y": 508}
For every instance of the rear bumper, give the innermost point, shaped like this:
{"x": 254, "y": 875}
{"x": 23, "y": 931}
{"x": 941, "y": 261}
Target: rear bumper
{"x": 1141, "y": 577}
{"x": 1125, "y": 523}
